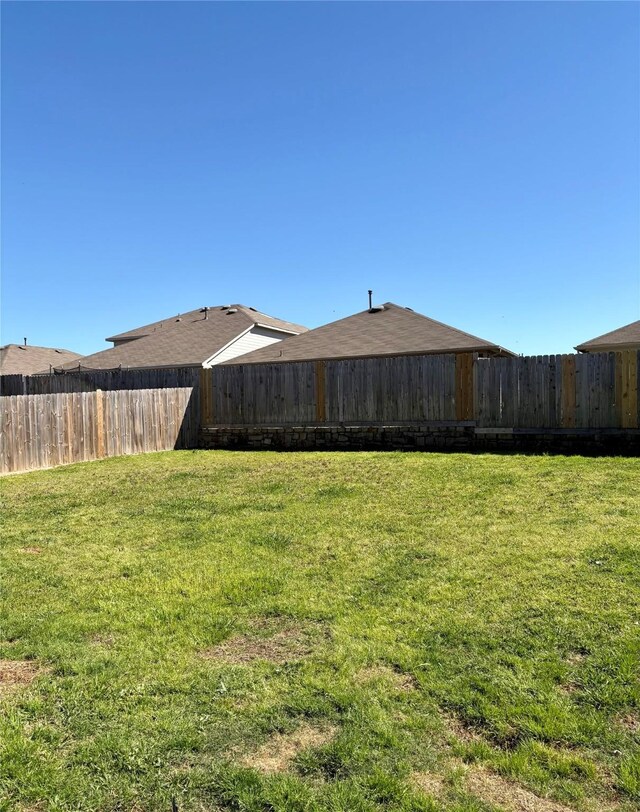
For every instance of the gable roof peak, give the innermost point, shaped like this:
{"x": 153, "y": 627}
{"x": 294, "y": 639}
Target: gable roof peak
{"x": 388, "y": 329}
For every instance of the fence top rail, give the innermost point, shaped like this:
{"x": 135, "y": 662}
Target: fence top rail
{"x": 83, "y": 381}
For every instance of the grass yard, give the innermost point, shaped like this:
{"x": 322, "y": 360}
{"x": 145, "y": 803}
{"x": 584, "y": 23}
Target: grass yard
{"x": 317, "y": 631}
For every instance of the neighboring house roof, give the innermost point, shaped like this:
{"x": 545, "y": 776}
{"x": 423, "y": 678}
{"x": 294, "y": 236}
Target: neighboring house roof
{"x": 187, "y": 339}
{"x": 624, "y": 338}
{"x": 386, "y": 330}
{"x": 20, "y": 359}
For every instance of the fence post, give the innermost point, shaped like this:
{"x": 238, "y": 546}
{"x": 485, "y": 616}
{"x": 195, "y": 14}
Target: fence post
{"x": 464, "y": 385}
{"x": 206, "y": 396}
{"x": 627, "y": 388}
{"x": 321, "y": 408}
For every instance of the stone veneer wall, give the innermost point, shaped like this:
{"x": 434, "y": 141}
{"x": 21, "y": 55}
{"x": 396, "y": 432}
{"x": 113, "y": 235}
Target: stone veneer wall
{"x": 423, "y": 437}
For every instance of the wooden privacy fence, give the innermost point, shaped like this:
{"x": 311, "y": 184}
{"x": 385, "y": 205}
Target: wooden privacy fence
{"x": 363, "y": 390}
{"x": 555, "y": 391}
{"x": 42, "y": 431}
{"x": 594, "y": 390}
{"x": 74, "y": 419}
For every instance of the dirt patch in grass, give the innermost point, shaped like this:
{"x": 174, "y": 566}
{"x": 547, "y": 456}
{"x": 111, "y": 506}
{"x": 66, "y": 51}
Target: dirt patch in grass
{"x": 630, "y": 722}
{"x": 399, "y": 680}
{"x": 31, "y": 550}
{"x": 508, "y": 737}
{"x": 273, "y": 641}
{"x": 429, "y": 783}
{"x": 460, "y": 729}
{"x": 16, "y": 674}
{"x": 106, "y": 640}
{"x": 575, "y": 657}
{"x": 276, "y": 755}
{"x": 498, "y": 791}
{"x": 569, "y": 688}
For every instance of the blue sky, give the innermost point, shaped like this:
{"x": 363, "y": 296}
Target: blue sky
{"x": 478, "y": 162}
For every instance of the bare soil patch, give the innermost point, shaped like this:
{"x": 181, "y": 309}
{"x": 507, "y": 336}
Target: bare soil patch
{"x": 273, "y": 641}
{"x": 276, "y": 755}
{"x": 106, "y": 640}
{"x": 569, "y": 688}
{"x": 630, "y": 722}
{"x": 459, "y": 729}
{"x": 16, "y": 674}
{"x": 31, "y": 550}
{"x": 498, "y": 791}
{"x": 429, "y": 783}
{"x": 399, "y": 680}
{"x": 465, "y": 732}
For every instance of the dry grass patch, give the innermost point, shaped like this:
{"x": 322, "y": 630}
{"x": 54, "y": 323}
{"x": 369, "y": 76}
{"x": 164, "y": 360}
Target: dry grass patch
{"x": 16, "y": 674}
{"x": 276, "y": 755}
{"x": 399, "y": 680}
{"x": 429, "y": 783}
{"x": 31, "y": 550}
{"x": 269, "y": 640}
{"x": 498, "y": 791}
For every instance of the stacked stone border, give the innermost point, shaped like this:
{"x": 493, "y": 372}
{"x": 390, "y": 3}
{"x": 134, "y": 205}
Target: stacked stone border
{"x": 422, "y": 437}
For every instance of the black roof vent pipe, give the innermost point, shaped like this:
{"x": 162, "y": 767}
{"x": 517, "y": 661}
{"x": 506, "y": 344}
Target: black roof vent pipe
{"x": 370, "y": 292}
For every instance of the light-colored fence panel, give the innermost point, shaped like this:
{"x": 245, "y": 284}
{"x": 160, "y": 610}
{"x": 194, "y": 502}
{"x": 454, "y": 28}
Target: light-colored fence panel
{"x": 42, "y": 431}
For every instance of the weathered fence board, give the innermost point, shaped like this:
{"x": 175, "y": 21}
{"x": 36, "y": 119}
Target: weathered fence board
{"x": 41, "y": 431}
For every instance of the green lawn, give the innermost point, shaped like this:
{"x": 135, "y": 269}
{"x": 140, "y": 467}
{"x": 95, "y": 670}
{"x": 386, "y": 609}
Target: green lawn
{"x": 317, "y": 631}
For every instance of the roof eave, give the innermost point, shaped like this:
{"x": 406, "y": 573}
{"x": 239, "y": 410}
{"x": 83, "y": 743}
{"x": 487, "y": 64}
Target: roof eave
{"x": 123, "y": 368}
{"x": 457, "y": 351}
{"x": 127, "y": 336}
{"x": 628, "y": 345}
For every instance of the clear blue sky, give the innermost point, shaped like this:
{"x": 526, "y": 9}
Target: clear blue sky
{"x": 478, "y": 162}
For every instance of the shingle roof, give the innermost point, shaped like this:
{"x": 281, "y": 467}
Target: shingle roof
{"x": 188, "y": 339}
{"x": 16, "y": 359}
{"x": 392, "y": 330}
{"x": 627, "y": 337}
